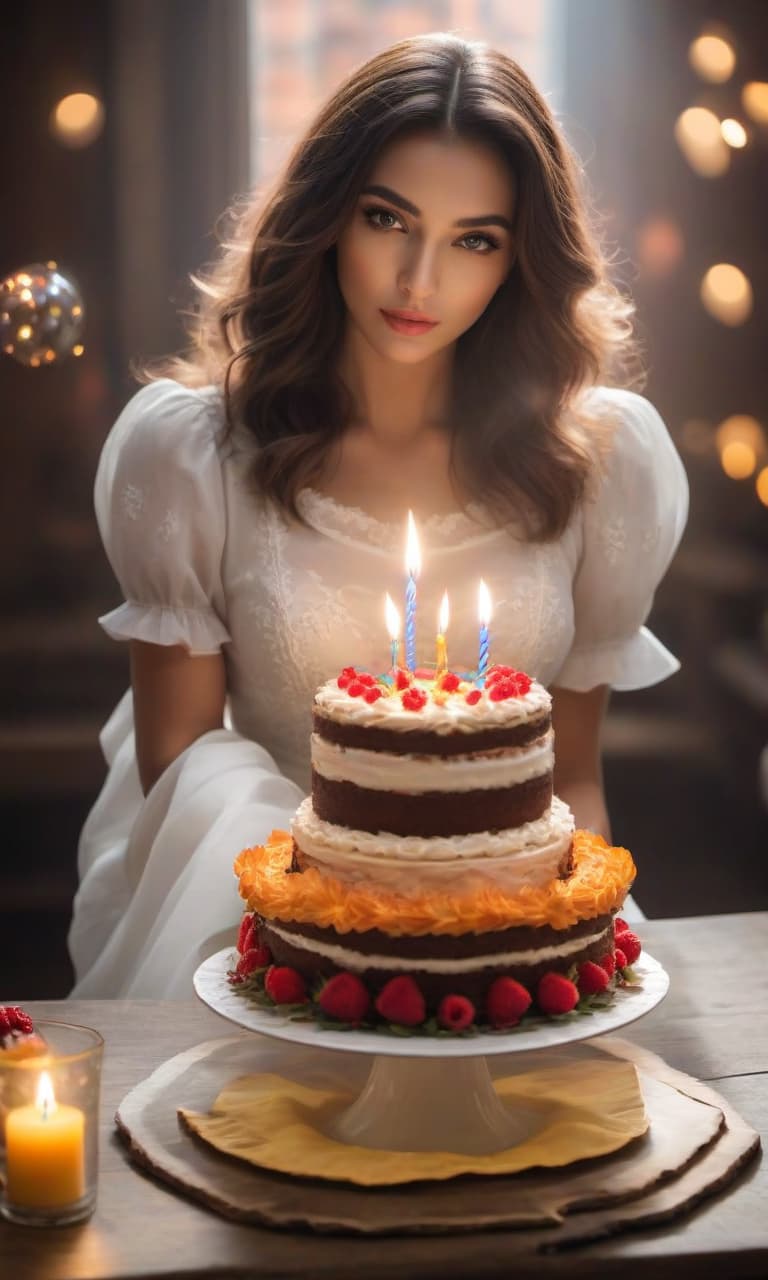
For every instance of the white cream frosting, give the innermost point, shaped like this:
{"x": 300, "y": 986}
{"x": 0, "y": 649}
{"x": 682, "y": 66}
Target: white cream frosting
{"x": 357, "y": 961}
{"x": 527, "y": 855}
{"x": 414, "y": 774}
{"x": 454, "y": 715}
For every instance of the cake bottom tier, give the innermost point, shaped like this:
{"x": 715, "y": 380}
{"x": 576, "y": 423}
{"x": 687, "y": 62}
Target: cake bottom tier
{"x": 466, "y": 964}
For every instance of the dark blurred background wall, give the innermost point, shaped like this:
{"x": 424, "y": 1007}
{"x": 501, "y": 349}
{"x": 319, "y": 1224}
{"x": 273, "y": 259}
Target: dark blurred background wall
{"x": 133, "y": 213}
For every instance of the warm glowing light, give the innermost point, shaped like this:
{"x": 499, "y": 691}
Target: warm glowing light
{"x": 738, "y": 460}
{"x": 392, "y": 615}
{"x": 26, "y": 295}
{"x": 78, "y": 119}
{"x": 444, "y": 615}
{"x": 713, "y": 58}
{"x": 55, "y": 310}
{"x": 734, "y": 133}
{"x": 742, "y": 427}
{"x": 50, "y": 355}
{"x": 660, "y": 246}
{"x": 34, "y": 362}
{"x": 484, "y": 608}
{"x": 76, "y": 310}
{"x": 23, "y": 279}
{"x": 761, "y": 485}
{"x": 754, "y": 97}
{"x": 698, "y": 135}
{"x": 24, "y": 332}
{"x": 51, "y": 265}
{"x": 412, "y": 549}
{"x": 727, "y": 294}
{"x": 44, "y": 1099}
{"x": 78, "y": 349}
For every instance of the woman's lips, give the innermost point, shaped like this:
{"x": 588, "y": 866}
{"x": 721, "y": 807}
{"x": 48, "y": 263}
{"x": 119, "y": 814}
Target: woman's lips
{"x": 401, "y": 325}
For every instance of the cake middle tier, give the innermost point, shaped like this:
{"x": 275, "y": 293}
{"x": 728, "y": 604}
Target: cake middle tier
{"x": 412, "y": 794}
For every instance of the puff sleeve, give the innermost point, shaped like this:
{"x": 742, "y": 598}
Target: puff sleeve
{"x": 631, "y": 528}
{"x": 160, "y": 507}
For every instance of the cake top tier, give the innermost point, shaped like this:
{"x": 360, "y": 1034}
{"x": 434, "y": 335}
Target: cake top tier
{"x": 421, "y": 701}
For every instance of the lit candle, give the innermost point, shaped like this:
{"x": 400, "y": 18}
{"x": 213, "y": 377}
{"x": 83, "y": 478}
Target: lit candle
{"x": 442, "y": 627}
{"x": 484, "y": 612}
{"x": 413, "y": 569}
{"x": 393, "y": 627}
{"x": 45, "y": 1152}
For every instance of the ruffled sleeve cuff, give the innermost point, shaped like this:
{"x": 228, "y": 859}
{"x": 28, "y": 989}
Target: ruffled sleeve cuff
{"x": 633, "y": 663}
{"x": 199, "y": 630}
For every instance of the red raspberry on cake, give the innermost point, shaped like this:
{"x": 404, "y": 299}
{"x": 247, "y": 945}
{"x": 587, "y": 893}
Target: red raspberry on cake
{"x": 256, "y": 957}
{"x": 506, "y": 1002}
{"x": 345, "y": 997}
{"x": 401, "y": 1001}
{"x": 620, "y": 958}
{"x": 556, "y": 994}
{"x": 403, "y": 679}
{"x": 372, "y": 695}
{"x": 366, "y": 678}
{"x": 356, "y": 688}
{"x": 449, "y": 682}
{"x": 285, "y": 985}
{"x": 414, "y": 699}
{"x": 608, "y": 962}
{"x": 473, "y": 697}
{"x": 348, "y": 674}
{"x": 630, "y": 945}
{"x": 592, "y": 978}
{"x": 497, "y": 672}
{"x": 245, "y": 933}
{"x": 455, "y": 1013}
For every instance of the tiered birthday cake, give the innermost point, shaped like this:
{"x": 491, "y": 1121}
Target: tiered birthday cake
{"x": 433, "y": 880}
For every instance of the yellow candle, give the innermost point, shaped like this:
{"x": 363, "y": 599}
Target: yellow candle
{"x": 442, "y": 627}
{"x": 45, "y": 1152}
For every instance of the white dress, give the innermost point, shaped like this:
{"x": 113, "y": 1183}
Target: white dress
{"x": 202, "y": 562}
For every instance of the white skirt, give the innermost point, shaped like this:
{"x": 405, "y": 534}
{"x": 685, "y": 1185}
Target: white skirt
{"x": 157, "y": 891}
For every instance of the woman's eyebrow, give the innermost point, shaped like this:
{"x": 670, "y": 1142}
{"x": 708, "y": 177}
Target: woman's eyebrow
{"x": 486, "y": 220}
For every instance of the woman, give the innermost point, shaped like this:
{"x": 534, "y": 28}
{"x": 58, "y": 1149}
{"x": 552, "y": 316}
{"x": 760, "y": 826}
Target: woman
{"x": 418, "y": 318}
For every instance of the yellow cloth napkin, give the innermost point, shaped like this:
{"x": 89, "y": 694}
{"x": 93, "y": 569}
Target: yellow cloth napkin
{"x": 587, "y": 1109}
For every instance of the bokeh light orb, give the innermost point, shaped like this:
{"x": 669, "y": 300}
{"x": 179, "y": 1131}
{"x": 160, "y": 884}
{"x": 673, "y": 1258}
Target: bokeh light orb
{"x": 713, "y": 58}
{"x": 41, "y": 315}
{"x": 738, "y": 460}
{"x": 699, "y": 136}
{"x": 761, "y": 485}
{"x": 726, "y": 294}
{"x": 734, "y": 133}
{"x": 77, "y": 120}
{"x": 754, "y": 97}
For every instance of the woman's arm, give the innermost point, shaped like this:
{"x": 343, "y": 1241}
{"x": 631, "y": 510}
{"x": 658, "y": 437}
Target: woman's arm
{"x": 176, "y": 699}
{"x": 577, "y": 719}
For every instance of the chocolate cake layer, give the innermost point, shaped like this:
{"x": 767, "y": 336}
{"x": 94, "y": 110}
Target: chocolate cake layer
{"x": 422, "y": 742}
{"x": 440, "y": 946}
{"x": 431, "y": 813}
{"x": 473, "y": 984}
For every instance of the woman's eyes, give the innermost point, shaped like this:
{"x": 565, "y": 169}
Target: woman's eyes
{"x": 376, "y": 216}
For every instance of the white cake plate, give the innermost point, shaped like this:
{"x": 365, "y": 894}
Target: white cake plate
{"x": 432, "y": 1093}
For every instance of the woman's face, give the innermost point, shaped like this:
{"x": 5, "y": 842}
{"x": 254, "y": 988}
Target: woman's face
{"x": 431, "y": 236}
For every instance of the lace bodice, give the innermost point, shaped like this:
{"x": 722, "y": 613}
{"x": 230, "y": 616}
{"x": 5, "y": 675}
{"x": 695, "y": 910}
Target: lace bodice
{"x": 204, "y": 563}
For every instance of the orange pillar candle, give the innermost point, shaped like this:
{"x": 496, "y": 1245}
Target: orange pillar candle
{"x": 442, "y": 627}
{"x": 45, "y": 1152}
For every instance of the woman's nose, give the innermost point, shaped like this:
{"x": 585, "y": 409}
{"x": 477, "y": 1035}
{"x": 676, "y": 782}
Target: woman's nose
{"x": 419, "y": 273}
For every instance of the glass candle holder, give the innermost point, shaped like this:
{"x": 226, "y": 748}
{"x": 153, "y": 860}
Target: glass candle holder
{"x": 49, "y": 1125}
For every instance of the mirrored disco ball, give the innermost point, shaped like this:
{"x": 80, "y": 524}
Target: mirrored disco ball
{"x": 41, "y": 315}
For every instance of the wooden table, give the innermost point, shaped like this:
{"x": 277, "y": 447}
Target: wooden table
{"x": 713, "y": 1025}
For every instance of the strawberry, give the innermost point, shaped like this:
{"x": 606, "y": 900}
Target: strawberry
{"x": 285, "y": 985}
{"x": 620, "y": 958}
{"x": 245, "y": 933}
{"x": 344, "y": 996}
{"x": 506, "y": 1002}
{"x": 255, "y": 957}
{"x": 630, "y": 945}
{"x": 473, "y": 697}
{"x": 414, "y": 699}
{"x": 556, "y": 994}
{"x": 592, "y": 978}
{"x": 619, "y": 926}
{"x": 455, "y": 1013}
{"x": 401, "y": 1001}
{"x": 608, "y": 962}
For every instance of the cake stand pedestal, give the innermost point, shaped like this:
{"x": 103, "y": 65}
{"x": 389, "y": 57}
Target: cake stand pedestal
{"x": 425, "y": 1093}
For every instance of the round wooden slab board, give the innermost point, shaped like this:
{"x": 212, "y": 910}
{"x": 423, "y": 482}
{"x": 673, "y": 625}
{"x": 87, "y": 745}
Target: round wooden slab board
{"x": 695, "y": 1145}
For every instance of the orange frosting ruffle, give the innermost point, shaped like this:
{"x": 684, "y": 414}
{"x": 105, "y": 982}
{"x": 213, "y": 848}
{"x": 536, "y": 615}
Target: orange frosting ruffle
{"x": 602, "y": 876}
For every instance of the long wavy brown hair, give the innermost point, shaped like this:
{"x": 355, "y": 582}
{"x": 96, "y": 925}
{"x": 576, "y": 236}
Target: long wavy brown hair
{"x": 269, "y": 317}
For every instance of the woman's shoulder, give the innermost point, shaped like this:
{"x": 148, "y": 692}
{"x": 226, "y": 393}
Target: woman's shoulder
{"x": 634, "y": 425}
{"x": 166, "y": 422}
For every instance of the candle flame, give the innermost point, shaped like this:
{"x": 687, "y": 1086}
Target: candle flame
{"x": 444, "y": 616}
{"x": 393, "y": 618}
{"x": 45, "y": 1100}
{"x": 412, "y": 550}
{"x": 484, "y": 604}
